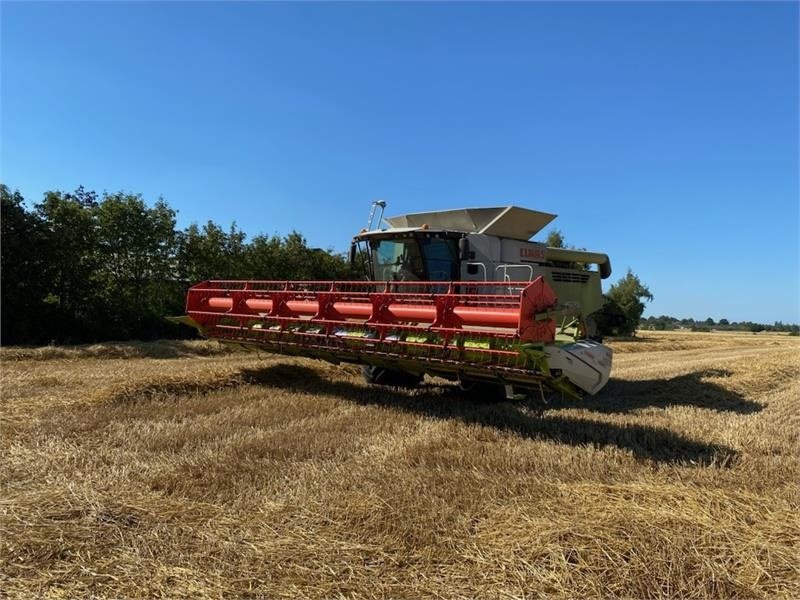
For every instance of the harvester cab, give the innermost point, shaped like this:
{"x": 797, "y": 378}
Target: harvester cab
{"x": 483, "y": 244}
{"x": 460, "y": 294}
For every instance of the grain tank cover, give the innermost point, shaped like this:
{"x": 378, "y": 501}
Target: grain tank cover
{"x": 503, "y": 221}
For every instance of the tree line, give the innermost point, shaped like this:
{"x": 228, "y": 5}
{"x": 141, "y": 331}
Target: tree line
{"x": 82, "y": 267}
{"x": 668, "y": 323}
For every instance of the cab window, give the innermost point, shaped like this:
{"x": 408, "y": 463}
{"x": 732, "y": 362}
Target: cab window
{"x": 397, "y": 260}
{"x": 441, "y": 258}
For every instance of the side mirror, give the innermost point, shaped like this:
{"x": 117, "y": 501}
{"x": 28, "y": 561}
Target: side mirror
{"x": 353, "y": 253}
{"x": 463, "y": 249}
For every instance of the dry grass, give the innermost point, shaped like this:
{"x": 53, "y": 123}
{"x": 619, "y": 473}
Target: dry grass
{"x": 169, "y": 470}
{"x": 161, "y": 349}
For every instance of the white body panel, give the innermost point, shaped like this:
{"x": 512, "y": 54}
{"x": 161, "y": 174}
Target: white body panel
{"x": 587, "y": 364}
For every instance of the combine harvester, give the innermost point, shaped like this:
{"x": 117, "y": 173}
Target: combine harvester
{"x": 459, "y": 294}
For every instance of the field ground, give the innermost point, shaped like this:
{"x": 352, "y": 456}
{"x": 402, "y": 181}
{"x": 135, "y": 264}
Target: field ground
{"x": 179, "y": 470}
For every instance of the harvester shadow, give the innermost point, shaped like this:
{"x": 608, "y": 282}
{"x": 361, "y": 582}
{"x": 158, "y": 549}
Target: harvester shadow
{"x": 691, "y": 389}
{"x": 447, "y": 402}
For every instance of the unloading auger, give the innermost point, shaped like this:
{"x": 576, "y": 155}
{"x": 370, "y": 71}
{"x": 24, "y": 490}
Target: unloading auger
{"x": 459, "y": 294}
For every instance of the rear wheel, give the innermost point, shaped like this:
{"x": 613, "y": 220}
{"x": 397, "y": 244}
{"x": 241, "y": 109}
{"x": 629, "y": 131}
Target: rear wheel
{"x": 382, "y": 376}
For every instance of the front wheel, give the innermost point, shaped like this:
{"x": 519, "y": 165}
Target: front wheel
{"x": 382, "y": 376}
{"x": 483, "y": 391}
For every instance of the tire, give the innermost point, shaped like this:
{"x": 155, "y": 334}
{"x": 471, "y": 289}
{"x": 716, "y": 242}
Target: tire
{"x": 381, "y": 376}
{"x": 482, "y": 391}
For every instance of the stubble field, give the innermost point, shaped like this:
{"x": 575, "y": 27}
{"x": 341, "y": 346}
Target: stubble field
{"x": 176, "y": 469}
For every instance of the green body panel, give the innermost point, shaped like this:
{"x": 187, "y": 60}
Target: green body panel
{"x": 588, "y": 295}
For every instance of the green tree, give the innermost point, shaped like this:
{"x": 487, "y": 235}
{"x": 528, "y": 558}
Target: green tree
{"x": 555, "y": 239}
{"x": 25, "y": 272}
{"x": 211, "y": 253}
{"x": 70, "y": 247}
{"x": 263, "y": 258}
{"x": 628, "y": 294}
{"x": 611, "y": 319}
{"x": 290, "y": 257}
{"x": 137, "y": 245}
{"x": 304, "y": 262}
{"x": 661, "y": 325}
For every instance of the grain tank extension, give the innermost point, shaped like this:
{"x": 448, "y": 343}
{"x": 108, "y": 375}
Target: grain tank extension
{"x": 460, "y": 294}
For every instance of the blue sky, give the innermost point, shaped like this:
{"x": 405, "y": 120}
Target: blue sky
{"x": 665, "y": 134}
